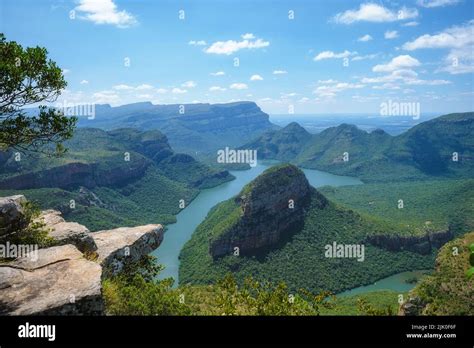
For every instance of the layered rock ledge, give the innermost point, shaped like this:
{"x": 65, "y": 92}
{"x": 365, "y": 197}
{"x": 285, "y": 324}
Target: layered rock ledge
{"x": 66, "y": 279}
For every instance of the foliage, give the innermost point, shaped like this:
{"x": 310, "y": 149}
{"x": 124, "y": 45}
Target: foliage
{"x": 448, "y": 291}
{"x": 35, "y": 230}
{"x": 27, "y": 77}
{"x": 428, "y": 205}
{"x": 301, "y": 263}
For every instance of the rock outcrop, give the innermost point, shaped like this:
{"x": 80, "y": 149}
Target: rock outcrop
{"x": 419, "y": 244}
{"x": 117, "y": 245}
{"x": 67, "y": 232}
{"x": 57, "y": 281}
{"x": 11, "y": 214}
{"x": 66, "y": 279}
{"x": 272, "y": 208}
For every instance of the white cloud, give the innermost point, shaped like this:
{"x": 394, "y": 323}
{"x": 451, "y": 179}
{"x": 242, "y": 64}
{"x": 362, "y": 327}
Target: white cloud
{"x": 248, "y": 36}
{"x": 454, "y": 37}
{"x": 104, "y": 12}
{"x": 178, "y": 91}
{"x": 217, "y": 88}
{"x": 436, "y": 3}
{"x": 123, "y": 87}
{"x": 391, "y": 34}
{"x": 410, "y": 24}
{"x": 161, "y": 90}
{"x": 332, "y": 55}
{"x": 327, "y": 81}
{"x": 365, "y": 38}
{"x": 330, "y": 91}
{"x": 189, "y": 84}
{"x": 371, "y": 12}
{"x": 84, "y": 82}
{"x": 279, "y": 72}
{"x": 238, "y": 86}
{"x": 143, "y": 87}
{"x": 197, "y": 43}
{"x": 218, "y": 73}
{"x": 458, "y": 39}
{"x": 105, "y": 97}
{"x": 66, "y": 71}
{"x": 400, "y": 62}
{"x": 231, "y": 46}
{"x": 304, "y": 100}
{"x": 256, "y": 78}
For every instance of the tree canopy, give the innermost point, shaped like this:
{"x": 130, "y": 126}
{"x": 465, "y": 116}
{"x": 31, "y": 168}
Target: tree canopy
{"x": 28, "y": 77}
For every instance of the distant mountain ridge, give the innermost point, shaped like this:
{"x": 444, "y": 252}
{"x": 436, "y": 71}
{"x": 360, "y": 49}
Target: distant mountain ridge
{"x": 191, "y": 128}
{"x": 428, "y": 149}
{"x": 113, "y": 178}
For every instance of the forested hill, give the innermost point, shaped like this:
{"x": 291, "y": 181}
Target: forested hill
{"x": 442, "y": 147}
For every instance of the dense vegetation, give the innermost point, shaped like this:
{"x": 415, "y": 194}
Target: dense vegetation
{"x": 153, "y": 197}
{"x": 421, "y": 153}
{"x": 301, "y": 263}
{"x": 449, "y": 291}
{"x": 432, "y": 205}
{"x": 137, "y": 292}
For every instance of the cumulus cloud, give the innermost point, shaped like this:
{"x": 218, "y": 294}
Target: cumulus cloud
{"x": 332, "y": 55}
{"x": 104, "y": 12}
{"x": 391, "y": 34}
{"x": 231, "y": 46}
{"x": 410, "y": 24}
{"x": 400, "y": 62}
{"x": 279, "y": 72}
{"x": 218, "y": 73}
{"x": 84, "y": 82}
{"x": 365, "y": 38}
{"x": 331, "y": 90}
{"x": 460, "y": 42}
{"x": 189, "y": 84}
{"x": 143, "y": 87}
{"x": 256, "y": 78}
{"x": 238, "y": 86}
{"x": 371, "y": 12}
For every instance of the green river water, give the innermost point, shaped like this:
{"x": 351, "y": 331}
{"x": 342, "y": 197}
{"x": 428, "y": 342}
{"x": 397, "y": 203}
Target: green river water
{"x": 188, "y": 219}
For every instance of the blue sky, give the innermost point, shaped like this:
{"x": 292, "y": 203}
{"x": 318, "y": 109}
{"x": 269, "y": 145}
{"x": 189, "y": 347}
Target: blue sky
{"x": 330, "y": 56}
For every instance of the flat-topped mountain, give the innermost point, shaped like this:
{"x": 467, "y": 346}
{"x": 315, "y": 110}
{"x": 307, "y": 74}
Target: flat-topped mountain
{"x": 439, "y": 147}
{"x": 111, "y": 178}
{"x": 190, "y": 128}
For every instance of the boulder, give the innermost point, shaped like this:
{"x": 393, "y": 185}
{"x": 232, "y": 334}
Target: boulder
{"x": 59, "y": 281}
{"x": 125, "y": 243}
{"x": 68, "y": 232}
{"x": 12, "y": 217}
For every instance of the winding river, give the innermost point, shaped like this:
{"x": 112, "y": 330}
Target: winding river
{"x": 189, "y": 218}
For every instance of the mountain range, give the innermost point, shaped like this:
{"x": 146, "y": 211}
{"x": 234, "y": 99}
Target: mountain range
{"x": 441, "y": 147}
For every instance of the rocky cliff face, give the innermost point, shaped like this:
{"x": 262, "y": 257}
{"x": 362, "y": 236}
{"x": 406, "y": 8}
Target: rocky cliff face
{"x": 66, "y": 279}
{"x": 418, "y": 244}
{"x": 272, "y": 208}
{"x": 79, "y": 174}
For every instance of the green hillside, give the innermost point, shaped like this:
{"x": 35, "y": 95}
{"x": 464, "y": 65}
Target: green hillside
{"x": 301, "y": 261}
{"x": 425, "y": 151}
{"x": 123, "y": 177}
